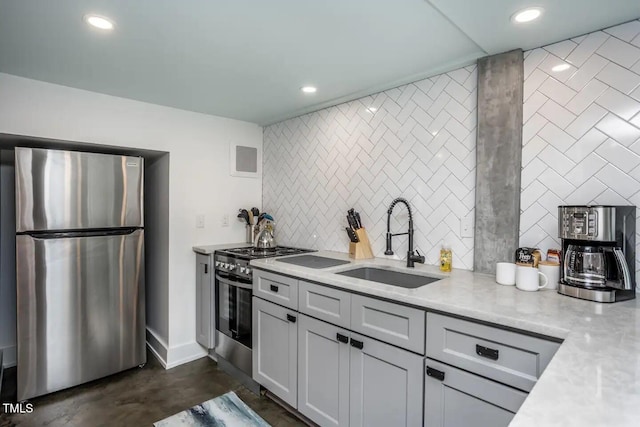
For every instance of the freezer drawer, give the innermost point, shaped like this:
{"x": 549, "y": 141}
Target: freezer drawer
{"x": 81, "y": 311}
{"x": 69, "y": 190}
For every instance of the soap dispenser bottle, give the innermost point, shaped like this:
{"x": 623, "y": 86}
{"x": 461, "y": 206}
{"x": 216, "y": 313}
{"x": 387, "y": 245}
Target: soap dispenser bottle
{"x": 445, "y": 258}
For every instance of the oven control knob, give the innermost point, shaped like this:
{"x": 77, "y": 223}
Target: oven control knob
{"x": 232, "y": 266}
{"x": 218, "y": 263}
{"x": 247, "y": 270}
{"x": 226, "y": 266}
{"x": 241, "y": 269}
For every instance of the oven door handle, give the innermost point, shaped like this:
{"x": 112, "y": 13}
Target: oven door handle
{"x": 232, "y": 283}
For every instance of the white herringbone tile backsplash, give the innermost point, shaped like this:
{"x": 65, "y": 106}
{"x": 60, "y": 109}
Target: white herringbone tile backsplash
{"x": 581, "y": 135}
{"x": 416, "y": 141}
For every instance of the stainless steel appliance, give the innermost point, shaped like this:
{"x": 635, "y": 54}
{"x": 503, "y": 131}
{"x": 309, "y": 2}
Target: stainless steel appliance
{"x": 234, "y": 284}
{"x": 80, "y": 267}
{"x": 598, "y": 246}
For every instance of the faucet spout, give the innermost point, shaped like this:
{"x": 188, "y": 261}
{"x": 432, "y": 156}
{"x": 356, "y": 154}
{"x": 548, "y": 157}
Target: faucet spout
{"x": 412, "y": 258}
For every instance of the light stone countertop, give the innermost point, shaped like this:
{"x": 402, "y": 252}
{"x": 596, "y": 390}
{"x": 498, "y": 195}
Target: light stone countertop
{"x": 209, "y": 249}
{"x": 594, "y": 378}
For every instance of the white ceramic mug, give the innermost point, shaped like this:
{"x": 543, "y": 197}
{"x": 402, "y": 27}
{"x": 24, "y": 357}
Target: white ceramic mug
{"x": 552, "y": 271}
{"x": 506, "y": 273}
{"x": 528, "y": 279}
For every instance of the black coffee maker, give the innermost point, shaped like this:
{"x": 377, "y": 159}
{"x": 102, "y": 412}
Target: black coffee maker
{"x": 598, "y": 247}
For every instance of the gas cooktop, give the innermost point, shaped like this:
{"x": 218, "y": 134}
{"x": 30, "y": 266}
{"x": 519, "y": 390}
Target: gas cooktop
{"x": 253, "y": 253}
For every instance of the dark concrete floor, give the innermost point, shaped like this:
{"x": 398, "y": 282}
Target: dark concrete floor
{"x": 139, "y": 397}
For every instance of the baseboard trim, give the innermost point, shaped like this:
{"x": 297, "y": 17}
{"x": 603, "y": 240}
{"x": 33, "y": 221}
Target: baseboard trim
{"x": 157, "y": 346}
{"x": 184, "y": 353}
{"x": 9, "y": 358}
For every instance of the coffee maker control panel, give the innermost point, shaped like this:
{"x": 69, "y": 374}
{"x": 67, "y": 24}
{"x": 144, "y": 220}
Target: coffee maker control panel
{"x": 594, "y": 223}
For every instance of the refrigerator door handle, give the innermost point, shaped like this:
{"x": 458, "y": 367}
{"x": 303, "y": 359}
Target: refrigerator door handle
{"x": 75, "y": 234}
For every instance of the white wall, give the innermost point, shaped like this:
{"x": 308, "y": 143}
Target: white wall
{"x": 419, "y": 144}
{"x": 7, "y": 259}
{"x": 199, "y": 172}
{"x": 581, "y": 135}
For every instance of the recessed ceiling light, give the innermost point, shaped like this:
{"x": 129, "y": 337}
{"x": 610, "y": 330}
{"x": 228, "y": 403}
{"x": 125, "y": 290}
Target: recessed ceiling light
{"x": 560, "y": 67}
{"x": 527, "y": 15}
{"x": 99, "y": 22}
{"x": 308, "y": 89}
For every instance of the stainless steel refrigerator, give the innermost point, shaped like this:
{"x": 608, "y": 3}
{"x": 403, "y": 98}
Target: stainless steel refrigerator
{"x": 80, "y": 267}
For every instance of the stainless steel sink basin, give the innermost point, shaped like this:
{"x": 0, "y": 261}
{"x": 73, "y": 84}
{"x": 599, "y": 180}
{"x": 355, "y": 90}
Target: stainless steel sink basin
{"x": 389, "y": 277}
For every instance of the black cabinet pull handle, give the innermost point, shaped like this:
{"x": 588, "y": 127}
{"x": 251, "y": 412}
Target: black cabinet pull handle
{"x": 434, "y": 373}
{"x": 206, "y": 269}
{"x": 291, "y": 318}
{"x": 357, "y": 344}
{"x": 487, "y": 352}
{"x": 273, "y": 288}
{"x": 342, "y": 338}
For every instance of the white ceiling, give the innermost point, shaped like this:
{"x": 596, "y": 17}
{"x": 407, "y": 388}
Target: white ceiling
{"x": 247, "y": 59}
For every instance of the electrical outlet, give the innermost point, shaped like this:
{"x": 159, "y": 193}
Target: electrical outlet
{"x": 466, "y": 226}
{"x": 200, "y": 221}
{"x": 225, "y": 220}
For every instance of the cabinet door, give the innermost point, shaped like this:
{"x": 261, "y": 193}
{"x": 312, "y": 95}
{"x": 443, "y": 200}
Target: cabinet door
{"x": 205, "y": 304}
{"x": 323, "y": 372}
{"x": 386, "y": 384}
{"x": 275, "y": 349}
{"x": 454, "y": 397}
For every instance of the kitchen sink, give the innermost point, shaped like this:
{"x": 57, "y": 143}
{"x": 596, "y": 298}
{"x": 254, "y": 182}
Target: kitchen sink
{"x": 313, "y": 261}
{"x": 390, "y": 277}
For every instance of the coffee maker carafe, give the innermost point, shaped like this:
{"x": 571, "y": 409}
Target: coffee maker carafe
{"x": 598, "y": 246}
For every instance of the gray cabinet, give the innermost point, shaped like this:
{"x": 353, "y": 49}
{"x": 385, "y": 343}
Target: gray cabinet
{"x": 385, "y": 384}
{"x": 276, "y": 288}
{"x": 324, "y": 303}
{"x": 323, "y": 372}
{"x": 205, "y": 301}
{"x": 275, "y": 349}
{"x": 454, "y": 398}
{"x": 505, "y": 356}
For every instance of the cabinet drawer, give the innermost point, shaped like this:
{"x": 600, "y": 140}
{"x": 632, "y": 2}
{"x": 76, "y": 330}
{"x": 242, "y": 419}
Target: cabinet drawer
{"x": 509, "y": 357}
{"x": 328, "y": 304}
{"x": 454, "y": 397}
{"x": 275, "y": 288}
{"x": 388, "y": 322}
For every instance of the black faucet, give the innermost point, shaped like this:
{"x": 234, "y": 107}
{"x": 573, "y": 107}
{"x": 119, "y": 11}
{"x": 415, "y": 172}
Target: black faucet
{"x": 411, "y": 256}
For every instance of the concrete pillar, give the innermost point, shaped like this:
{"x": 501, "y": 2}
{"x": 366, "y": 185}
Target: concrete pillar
{"x": 499, "y": 159}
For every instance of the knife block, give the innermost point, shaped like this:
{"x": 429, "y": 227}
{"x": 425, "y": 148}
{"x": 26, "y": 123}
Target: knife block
{"x": 362, "y": 248}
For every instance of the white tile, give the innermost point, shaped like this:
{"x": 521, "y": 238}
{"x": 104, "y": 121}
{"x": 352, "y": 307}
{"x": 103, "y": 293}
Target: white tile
{"x": 620, "y": 78}
{"x": 556, "y": 137}
{"x": 531, "y": 194}
{"x": 585, "y": 192}
{"x": 532, "y": 148}
{"x": 635, "y": 174}
{"x": 550, "y": 63}
{"x": 456, "y": 110}
{"x": 456, "y": 129}
{"x": 561, "y": 49}
{"x": 556, "y": 183}
{"x": 535, "y": 57}
{"x": 532, "y": 105}
{"x": 586, "y": 48}
{"x": 619, "y": 155}
{"x": 585, "y": 169}
{"x": 586, "y": 96}
{"x": 532, "y": 215}
{"x": 619, "y": 52}
{"x": 532, "y": 171}
{"x": 636, "y": 41}
{"x": 533, "y": 82}
{"x": 609, "y": 197}
{"x": 619, "y": 129}
{"x": 585, "y": 121}
{"x": 586, "y": 145}
{"x": 636, "y": 121}
{"x": 587, "y": 72}
{"x": 619, "y": 103}
{"x": 556, "y": 91}
{"x": 636, "y": 94}
{"x": 532, "y": 126}
{"x": 617, "y": 180}
{"x": 627, "y": 31}
{"x": 550, "y": 202}
{"x": 460, "y": 75}
{"x": 531, "y": 234}
{"x": 456, "y": 90}
{"x": 556, "y": 160}
{"x": 556, "y": 114}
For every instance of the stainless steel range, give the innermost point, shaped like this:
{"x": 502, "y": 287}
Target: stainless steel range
{"x": 234, "y": 280}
